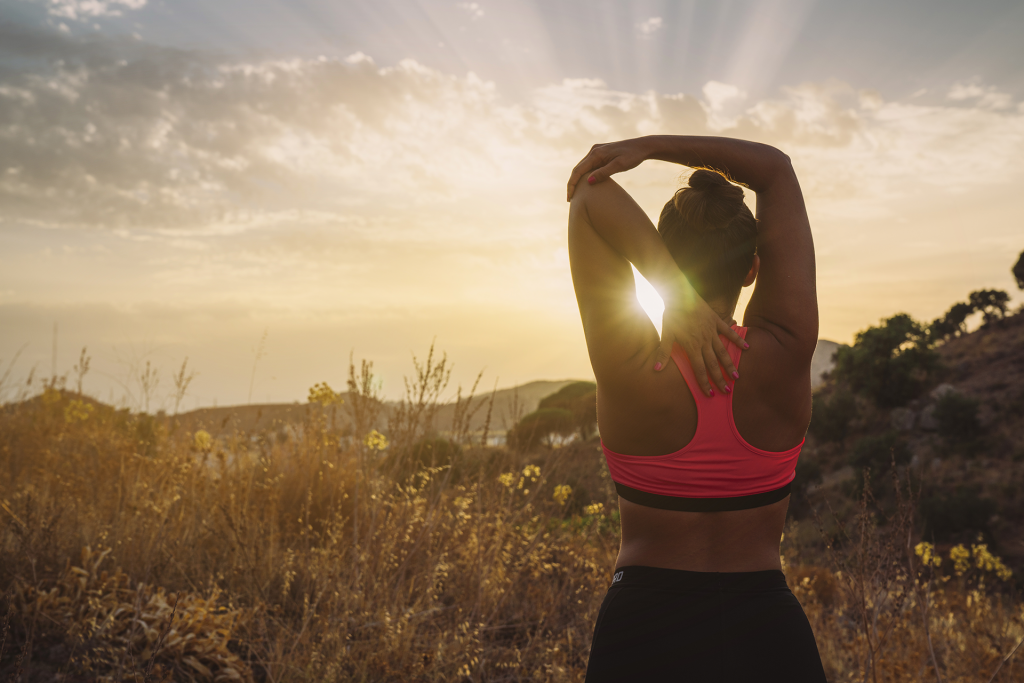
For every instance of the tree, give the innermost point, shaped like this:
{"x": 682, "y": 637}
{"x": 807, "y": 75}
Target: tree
{"x": 991, "y": 302}
{"x": 1018, "y": 271}
{"x": 891, "y": 363}
{"x": 580, "y": 399}
{"x": 954, "y": 323}
{"x": 831, "y": 415}
{"x": 539, "y": 426}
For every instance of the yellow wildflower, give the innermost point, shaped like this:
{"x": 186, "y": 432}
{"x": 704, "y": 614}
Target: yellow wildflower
{"x": 202, "y": 440}
{"x": 323, "y": 394}
{"x": 593, "y": 509}
{"x": 376, "y": 441}
{"x": 926, "y": 551}
{"x": 562, "y": 493}
{"x": 961, "y": 559}
{"x": 507, "y": 480}
{"x": 77, "y": 411}
{"x": 988, "y": 562}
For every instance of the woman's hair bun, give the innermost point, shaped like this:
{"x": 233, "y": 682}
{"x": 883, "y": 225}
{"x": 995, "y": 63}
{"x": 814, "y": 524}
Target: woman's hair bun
{"x": 711, "y": 233}
{"x": 710, "y": 202}
{"x": 714, "y": 183}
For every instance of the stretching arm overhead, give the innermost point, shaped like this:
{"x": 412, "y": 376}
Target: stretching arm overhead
{"x": 784, "y": 302}
{"x": 607, "y": 232}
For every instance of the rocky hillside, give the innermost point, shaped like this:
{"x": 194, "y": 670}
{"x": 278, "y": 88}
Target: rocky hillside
{"x": 961, "y": 440}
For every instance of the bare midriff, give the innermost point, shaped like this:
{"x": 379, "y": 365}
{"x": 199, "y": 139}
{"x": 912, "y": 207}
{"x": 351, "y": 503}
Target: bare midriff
{"x": 732, "y": 541}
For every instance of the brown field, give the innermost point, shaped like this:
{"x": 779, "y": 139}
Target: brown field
{"x": 134, "y": 548}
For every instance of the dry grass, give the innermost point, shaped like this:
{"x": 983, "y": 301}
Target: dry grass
{"x": 131, "y": 550}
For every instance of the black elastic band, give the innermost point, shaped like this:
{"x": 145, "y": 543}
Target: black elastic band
{"x": 654, "y": 500}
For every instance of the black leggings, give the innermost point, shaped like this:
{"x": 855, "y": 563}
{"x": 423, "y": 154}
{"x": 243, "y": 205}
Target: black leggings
{"x": 673, "y": 625}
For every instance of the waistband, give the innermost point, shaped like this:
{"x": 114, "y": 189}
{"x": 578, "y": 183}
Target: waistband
{"x": 683, "y": 504}
{"x": 682, "y": 581}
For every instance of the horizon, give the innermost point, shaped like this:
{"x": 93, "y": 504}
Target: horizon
{"x": 265, "y": 188}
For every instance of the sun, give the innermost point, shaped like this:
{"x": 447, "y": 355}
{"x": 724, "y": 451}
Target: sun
{"x": 649, "y": 299}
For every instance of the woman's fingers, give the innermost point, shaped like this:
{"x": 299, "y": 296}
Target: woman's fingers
{"x": 732, "y": 335}
{"x": 606, "y": 171}
{"x": 604, "y": 161}
{"x": 725, "y": 361}
{"x": 707, "y": 359}
{"x": 714, "y": 369}
{"x": 586, "y": 165}
{"x": 699, "y": 370}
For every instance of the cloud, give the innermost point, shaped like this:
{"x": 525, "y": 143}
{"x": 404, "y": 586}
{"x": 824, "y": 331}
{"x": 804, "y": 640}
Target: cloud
{"x": 82, "y": 10}
{"x": 320, "y": 185}
{"x": 134, "y": 137}
{"x": 988, "y": 97}
{"x": 649, "y": 26}
{"x": 474, "y": 9}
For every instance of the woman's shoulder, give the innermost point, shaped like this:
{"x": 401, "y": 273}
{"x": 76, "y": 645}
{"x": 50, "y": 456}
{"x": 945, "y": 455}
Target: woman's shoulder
{"x": 772, "y": 399}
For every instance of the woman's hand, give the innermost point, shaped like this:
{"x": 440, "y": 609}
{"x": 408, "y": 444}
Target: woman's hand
{"x": 604, "y": 160}
{"x": 691, "y": 323}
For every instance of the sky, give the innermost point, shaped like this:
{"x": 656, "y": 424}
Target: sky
{"x": 269, "y": 188}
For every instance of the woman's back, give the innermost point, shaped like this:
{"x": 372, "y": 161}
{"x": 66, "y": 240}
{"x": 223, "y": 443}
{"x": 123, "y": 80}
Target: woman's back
{"x": 645, "y": 413}
{"x": 769, "y": 412}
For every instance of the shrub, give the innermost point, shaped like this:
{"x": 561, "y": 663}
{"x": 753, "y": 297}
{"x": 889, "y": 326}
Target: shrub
{"x": 580, "y": 399}
{"x": 957, "y": 416}
{"x": 830, "y": 416}
{"x": 953, "y": 323}
{"x": 431, "y": 451}
{"x": 949, "y": 516}
{"x": 539, "y": 426}
{"x": 991, "y": 302}
{"x": 878, "y": 452}
{"x": 890, "y": 363}
{"x": 808, "y": 473}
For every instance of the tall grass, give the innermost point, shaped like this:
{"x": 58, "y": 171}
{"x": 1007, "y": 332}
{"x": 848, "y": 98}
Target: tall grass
{"x": 131, "y": 549}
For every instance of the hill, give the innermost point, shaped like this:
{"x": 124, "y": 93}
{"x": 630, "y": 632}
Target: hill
{"x": 961, "y": 441}
{"x": 509, "y": 405}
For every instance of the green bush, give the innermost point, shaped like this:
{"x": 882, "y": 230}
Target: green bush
{"x": 890, "y": 363}
{"x": 580, "y": 399}
{"x": 431, "y": 451}
{"x": 808, "y": 473}
{"x": 539, "y": 426}
{"x": 957, "y": 515}
{"x": 878, "y": 452}
{"x": 957, "y": 416}
{"x": 830, "y": 416}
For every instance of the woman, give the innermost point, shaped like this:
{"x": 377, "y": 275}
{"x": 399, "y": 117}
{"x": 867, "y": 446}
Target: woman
{"x": 702, "y": 475}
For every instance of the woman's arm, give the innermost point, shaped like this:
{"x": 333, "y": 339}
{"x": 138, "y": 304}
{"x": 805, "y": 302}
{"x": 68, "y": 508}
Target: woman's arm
{"x": 607, "y": 231}
{"x": 784, "y": 302}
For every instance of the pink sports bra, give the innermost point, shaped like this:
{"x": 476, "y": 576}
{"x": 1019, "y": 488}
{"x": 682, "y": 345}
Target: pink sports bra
{"x": 718, "y": 470}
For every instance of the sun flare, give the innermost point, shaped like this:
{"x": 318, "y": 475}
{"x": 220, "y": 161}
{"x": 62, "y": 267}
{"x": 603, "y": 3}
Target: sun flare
{"x": 649, "y": 300}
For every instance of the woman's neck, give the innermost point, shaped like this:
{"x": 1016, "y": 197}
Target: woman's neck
{"x": 724, "y": 309}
